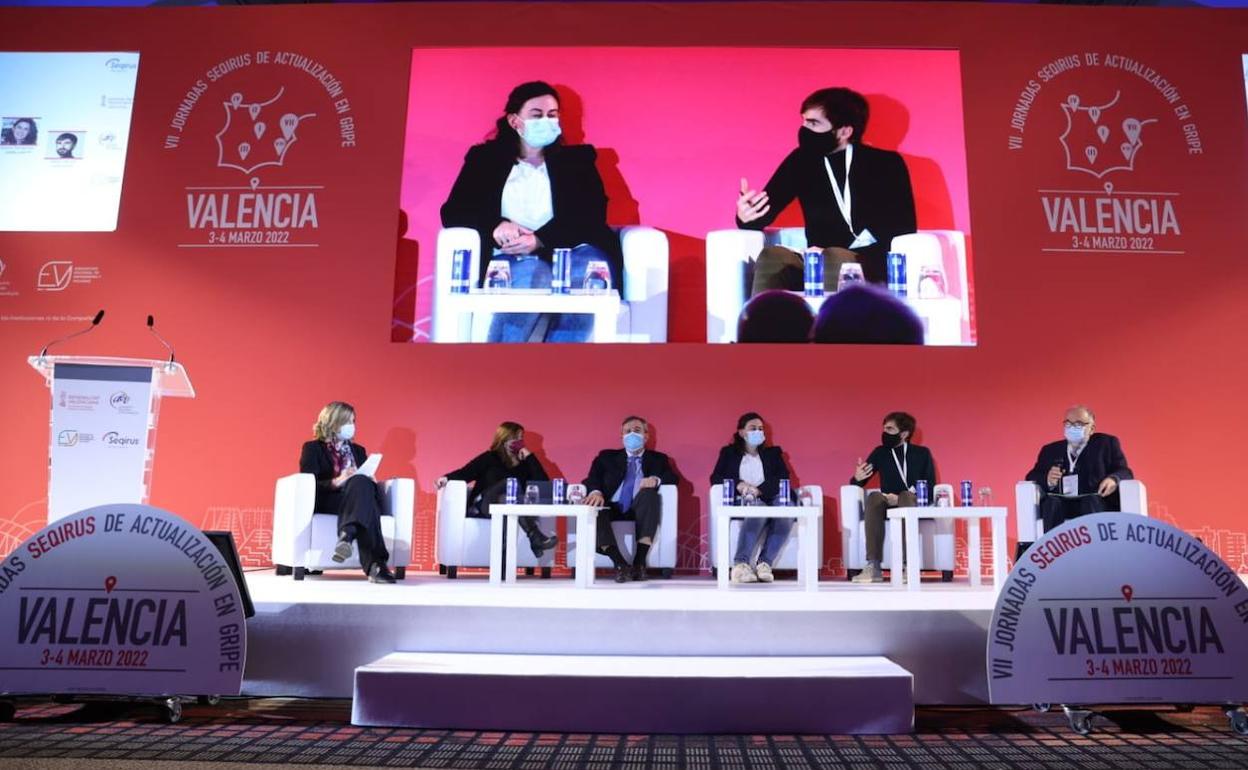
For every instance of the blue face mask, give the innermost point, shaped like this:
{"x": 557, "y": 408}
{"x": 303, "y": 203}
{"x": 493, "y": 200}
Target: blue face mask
{"x": 634, "y": 441}
{"x": 541, "y": 132}
{"x": 755, "y": 437}
{"x": 347, "y": 432}
{"x": 1074, "y": 434}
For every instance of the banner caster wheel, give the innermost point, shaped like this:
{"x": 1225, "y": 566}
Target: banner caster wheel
{"x": 1239, "y": 720}
{"x": 1042, "y": 708}
{"x": 173, "y": 710}
{"x": 1080, "y": 720}
{"x": 208, "y": 700}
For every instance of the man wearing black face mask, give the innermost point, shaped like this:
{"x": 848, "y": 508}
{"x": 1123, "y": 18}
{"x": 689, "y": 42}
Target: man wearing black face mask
{"x": 855, "y": 198}
{"x": 900, "y": 464}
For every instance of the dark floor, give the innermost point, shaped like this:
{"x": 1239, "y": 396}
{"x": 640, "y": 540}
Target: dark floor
{"x": 285, "y": 731}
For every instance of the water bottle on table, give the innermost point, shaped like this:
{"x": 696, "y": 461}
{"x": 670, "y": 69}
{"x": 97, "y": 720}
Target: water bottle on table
{"x": 921, "y": 493}
{"x": 512, "y": 490}
{"x": 897, "y": 274}
{"x": 812, "y": 273}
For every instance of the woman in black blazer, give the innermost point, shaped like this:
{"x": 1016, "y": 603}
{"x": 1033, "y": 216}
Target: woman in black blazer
{"x": 488, "y": 472}
{"x": 526, "y": 194}
{"x": 756, "y": 471}
{"x": 333, "y": 458}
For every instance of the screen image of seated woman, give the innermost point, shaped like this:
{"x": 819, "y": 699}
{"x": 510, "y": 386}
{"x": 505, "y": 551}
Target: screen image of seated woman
{"x": 527, "y": 193}
{"x": 19, "y": 131}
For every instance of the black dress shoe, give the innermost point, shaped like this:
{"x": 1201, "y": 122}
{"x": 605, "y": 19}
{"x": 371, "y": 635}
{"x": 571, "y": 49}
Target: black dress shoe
{"x": 342, "y": 551}
{"x": 623, "y": 574}
{"x": 379, "y": 573}
{"x": 542, "y": 543}
{"x": 639, "y": 574}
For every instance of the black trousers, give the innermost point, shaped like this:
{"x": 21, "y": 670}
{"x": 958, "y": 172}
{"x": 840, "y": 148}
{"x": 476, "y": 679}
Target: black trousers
{"x": 359, "y": 512}
{"x": 646, "y": 510}
{"x": 1054, "y": 510}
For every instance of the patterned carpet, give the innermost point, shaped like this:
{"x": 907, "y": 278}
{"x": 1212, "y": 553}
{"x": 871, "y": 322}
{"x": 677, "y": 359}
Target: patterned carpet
{"x": 318, "y": 732}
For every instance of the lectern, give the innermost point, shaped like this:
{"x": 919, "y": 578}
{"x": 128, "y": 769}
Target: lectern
{"x": 103, "y": 427}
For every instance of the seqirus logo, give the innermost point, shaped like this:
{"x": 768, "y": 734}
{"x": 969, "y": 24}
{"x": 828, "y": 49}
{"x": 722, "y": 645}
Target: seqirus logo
{"x": 115, "y": 64}
{"x": 267, "y": 99}
{"x": 1113, "y": 162}
{"x": 113, "y": 438}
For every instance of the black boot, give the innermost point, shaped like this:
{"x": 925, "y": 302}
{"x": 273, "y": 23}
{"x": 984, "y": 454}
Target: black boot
{"x": 540, "y": 543}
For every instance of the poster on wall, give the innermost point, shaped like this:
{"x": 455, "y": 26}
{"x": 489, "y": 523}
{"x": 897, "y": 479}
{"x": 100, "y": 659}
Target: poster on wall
{"x": 123, "y": 600}
{"x": 1119, "y": 608}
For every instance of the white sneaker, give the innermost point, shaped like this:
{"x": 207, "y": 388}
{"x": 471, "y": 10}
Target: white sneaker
{"x": 762, "y": 571}
{"x": 741, "y": 573}
{"x": 869, "y": 574}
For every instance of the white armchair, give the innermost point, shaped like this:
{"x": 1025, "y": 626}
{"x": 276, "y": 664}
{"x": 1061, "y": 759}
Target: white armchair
{"x": 304, "y": 539}
{"x": 936, "y": 537}
{"x": 1131, "y": 494}
{"x": 464, "y": 541}
{"x": 789, "y": 554}
{"x": 730, "y": 256}
{"x": 662, "y": 551}
{"x": 643, "y": 306}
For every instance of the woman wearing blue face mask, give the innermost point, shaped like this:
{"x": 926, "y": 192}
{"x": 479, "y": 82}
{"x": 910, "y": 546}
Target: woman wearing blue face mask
{"x": 333, "y": 458}
{"x": 527, "y": 193}
{"x": 756, "y": 471}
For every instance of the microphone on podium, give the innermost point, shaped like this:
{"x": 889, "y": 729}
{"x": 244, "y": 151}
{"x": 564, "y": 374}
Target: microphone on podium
{"x": 94, "y": 323}
{"x": 151, "y": 327}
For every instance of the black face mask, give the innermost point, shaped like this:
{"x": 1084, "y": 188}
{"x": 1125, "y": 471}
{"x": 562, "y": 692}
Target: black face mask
{"x": 814, "y": 141}
{"x": 890, "y": 440}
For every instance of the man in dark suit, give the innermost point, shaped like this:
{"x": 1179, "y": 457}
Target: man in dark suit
{"x": 855, "y": 198}
{"x": 1079, "y": 474}
{"x": 627, "y": 482}
{"x": 900, "y": 464}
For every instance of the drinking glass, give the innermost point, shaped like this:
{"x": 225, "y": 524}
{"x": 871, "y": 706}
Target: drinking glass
{"x": 943, "y": 499}
{"x": 985, "y": 496}
{"x": 805, "y": 498}
{"x": 531, "y": 494}
{"x": 597, "y": 276}
{"x": 498, "y": 274}
{"x": 851, "y": 272}
{"x": 749, "y": 498}
{"x": 576, "y": 494}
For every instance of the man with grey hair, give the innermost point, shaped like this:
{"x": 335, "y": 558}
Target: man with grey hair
{"x": 1079, "y": 474}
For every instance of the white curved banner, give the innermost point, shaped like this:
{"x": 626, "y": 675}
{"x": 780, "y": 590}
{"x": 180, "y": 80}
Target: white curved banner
{"x": 1119, "y": 608}
{"x": 120, "y": 599}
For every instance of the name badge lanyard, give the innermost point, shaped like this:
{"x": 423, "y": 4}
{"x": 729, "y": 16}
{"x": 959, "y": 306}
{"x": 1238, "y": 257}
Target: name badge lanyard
{"x": 903, "y": 465}
{"x": 1073, "y": 457}
{"x": 844, "y": 200}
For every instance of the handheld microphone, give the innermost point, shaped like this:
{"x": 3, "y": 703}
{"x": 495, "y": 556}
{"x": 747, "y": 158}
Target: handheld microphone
{"x": 151, "y": 327}
{"x": 94, "y": 323}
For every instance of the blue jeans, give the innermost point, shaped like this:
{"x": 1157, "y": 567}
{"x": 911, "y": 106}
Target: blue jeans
{"x": 776, "y": 532}
{"x": 530, "y": 272}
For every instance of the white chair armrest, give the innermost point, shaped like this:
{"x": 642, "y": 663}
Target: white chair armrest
{"x": 645, "y": 262}
{"x": 668, "y": 526}
{"x": 1026, "y": 502}
{"x": 446, "y": 325}
{"x": 727, "y": 254}
{"x": 852, "y": 497}
{"x": 400, "y": 496}
{"x": 451, "y": 512}
{"x": 294, "y": 499}
{"x": 1133, "y": 496}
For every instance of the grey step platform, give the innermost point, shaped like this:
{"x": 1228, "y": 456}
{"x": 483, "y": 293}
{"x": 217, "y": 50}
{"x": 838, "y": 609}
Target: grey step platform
{"x": 635, "y": 694}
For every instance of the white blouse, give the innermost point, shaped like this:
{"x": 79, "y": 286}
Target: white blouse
{"x": 526, "y": 196}
{"x": 751, "y": 471}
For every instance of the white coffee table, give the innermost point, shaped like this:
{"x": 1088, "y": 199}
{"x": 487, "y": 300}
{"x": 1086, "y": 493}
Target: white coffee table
{"x": 499, "y": 528}
{"x": 972, "y": 514}
{"x": 807, "y": 533}
{"x": 604, "y": 306}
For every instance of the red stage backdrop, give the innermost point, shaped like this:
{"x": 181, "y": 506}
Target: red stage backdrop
{"x": 1110, "y": 277}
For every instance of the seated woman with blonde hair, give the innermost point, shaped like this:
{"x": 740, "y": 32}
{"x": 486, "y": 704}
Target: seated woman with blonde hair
{"x": 333, "y": 458}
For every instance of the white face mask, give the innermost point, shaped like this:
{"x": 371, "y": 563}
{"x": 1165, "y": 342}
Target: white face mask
{"x": 541, "y": 132}
{"x": 347, "y": 432}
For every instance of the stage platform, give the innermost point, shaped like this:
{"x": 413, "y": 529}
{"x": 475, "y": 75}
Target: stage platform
{"x": 308, "y": 637}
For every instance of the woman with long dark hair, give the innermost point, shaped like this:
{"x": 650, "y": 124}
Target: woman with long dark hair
{"x": 755, "y": 470}
{"x": 527, "y": 193}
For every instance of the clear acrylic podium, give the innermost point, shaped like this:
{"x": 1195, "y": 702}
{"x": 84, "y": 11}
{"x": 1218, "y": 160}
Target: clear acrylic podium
{"x": 102, "y": 438}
